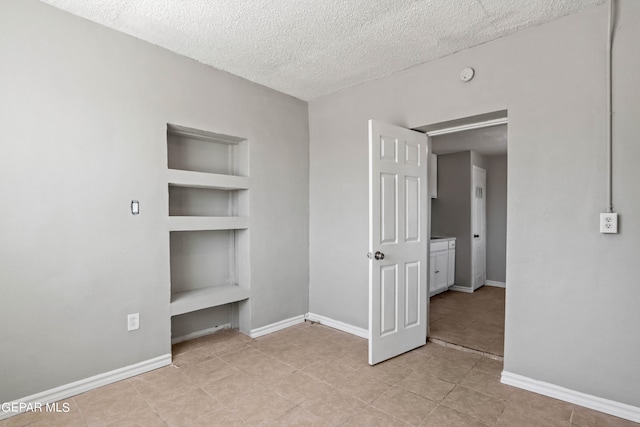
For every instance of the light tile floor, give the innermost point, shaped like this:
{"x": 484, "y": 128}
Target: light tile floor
{"x": 474, "y": 320}
{"x": 312, "y": 375}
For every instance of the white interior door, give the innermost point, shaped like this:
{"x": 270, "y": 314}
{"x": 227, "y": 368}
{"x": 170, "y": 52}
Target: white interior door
{"x": 479, "y": 227}
{"x": 398, "y": 243}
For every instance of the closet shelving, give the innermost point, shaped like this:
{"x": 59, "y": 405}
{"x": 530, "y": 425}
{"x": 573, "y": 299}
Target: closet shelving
{"x": 208, "y": 186}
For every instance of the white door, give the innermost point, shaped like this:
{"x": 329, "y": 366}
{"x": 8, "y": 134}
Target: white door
{"x": 478, "y": 227}
{"x": 397, "y": 241}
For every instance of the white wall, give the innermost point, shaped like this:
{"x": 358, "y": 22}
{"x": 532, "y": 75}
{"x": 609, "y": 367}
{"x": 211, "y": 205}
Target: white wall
{"x": 83, "y": 115}
{"x": 573, "y": 296}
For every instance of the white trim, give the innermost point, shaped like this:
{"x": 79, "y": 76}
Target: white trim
{"x": 495, "y": 284}
{"x": 274, "y": 327}
{"x": 198, "y": 334}
{"x": 91, "y": 383}
{"x": 341, "y": 326}
{"x": 617, "y": 409}
{"x": 478, "y": 125}
{"x": 461, "y": 289}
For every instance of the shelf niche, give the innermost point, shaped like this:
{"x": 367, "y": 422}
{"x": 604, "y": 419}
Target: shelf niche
{"x": 189, "y": 201}
{"x": 201, "y": 151}
{"x": 208, "y": 186}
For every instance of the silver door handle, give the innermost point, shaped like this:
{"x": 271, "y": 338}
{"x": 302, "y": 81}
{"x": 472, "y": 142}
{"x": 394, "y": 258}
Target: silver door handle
{"x": 378, "y": 255}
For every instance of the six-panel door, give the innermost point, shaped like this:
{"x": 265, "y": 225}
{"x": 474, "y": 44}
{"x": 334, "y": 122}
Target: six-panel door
{"x": 398, "y": 203}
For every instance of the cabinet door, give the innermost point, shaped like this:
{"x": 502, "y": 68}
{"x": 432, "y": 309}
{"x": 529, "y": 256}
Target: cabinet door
{"x": 432, "y": 275}
{"x": 441, "y": 270}
{"x": 451, "y": 276}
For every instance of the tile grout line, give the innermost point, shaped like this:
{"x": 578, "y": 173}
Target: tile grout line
{"x": 571, "y": 417}
{"x": 147, "y": 402}
{"x": 79, "y": 410}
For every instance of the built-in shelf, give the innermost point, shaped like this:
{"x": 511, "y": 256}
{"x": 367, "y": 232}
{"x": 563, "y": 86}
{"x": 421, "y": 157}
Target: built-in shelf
{"x": 216, "y": 181}
{"x": 198, "y": 299}
{"x": 208, "y": 186}
{"x": 196, "y": 223}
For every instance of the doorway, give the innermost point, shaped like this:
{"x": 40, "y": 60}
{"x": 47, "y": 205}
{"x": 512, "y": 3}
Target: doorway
{"x": 470, "y": 206}
{"x": 400, "y": 225}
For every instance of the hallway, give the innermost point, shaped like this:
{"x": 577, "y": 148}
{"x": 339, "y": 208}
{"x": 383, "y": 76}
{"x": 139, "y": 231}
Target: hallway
{"x": 475, "y": 321}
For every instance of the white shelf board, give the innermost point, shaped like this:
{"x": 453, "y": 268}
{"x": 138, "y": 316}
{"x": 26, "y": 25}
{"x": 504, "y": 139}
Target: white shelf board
{"x": 204, "y": 223}
{"x": 203, "y": 135}
{"x": 198, "y": 299}
{"x": 216, "y": 181}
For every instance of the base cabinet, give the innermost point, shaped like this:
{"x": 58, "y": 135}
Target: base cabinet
{"x": 442, "y": 265}
{"x": 451, "y": 267}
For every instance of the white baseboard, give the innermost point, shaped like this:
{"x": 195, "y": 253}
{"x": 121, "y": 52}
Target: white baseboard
{"x": 198, "y": 334}
{"x": 611, "y": 407}
{"x": 461, "y": 289}
{"x": 274, "y": 327}
{"x": 341, "y": 326}
{"x": 495, "y": 284}
{"x": 335, "y": 324}
{"x": 91, "y": 383}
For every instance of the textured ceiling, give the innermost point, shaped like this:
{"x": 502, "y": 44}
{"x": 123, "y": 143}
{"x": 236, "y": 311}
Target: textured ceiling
{"x": 309, "y": 48}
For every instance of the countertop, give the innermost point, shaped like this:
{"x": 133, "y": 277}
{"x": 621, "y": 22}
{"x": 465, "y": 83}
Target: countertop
{"x": 442, "y": 239}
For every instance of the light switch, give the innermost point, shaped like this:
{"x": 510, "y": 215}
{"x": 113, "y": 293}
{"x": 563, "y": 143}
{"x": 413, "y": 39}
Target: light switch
{"x": 135, "y": 207}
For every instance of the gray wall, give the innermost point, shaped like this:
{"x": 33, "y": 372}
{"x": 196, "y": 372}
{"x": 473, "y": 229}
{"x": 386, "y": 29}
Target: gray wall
{"x": 83, "y": 116}
{"x": 573, "y": 297}
{"x": 201, "y": 320}
{"x": 477, "y": 160}
{"x": 451, "y": 211}
{"x": 497, "y": 218}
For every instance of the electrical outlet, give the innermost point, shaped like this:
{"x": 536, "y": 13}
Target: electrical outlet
{"x": 609, "y": 222}
{"x": 133, "y": 322}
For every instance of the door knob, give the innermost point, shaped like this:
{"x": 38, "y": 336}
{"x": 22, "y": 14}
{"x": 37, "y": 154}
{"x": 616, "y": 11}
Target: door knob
{"x": 476, "y": 236}
{"x": 377, "y": 255}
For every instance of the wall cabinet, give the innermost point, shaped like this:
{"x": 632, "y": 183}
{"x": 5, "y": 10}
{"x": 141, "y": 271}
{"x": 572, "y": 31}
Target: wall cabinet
{"x": 442, "y": 264}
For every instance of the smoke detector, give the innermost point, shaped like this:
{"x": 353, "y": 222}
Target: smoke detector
{"x": 467, "y": 74}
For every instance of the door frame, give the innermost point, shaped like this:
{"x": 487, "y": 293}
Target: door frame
{"x": 445, "y": 131}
